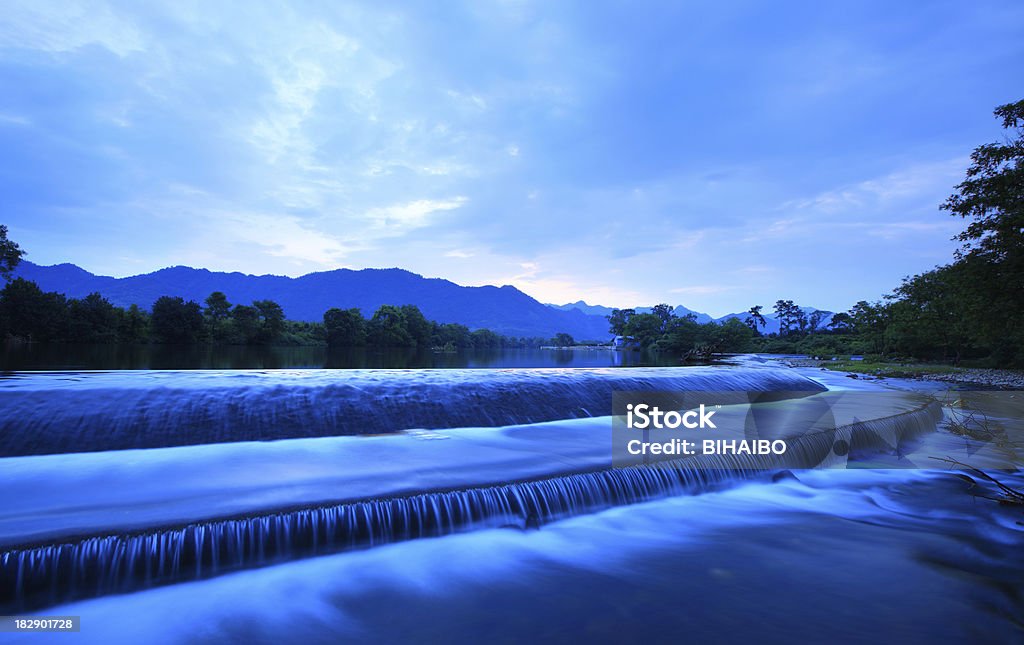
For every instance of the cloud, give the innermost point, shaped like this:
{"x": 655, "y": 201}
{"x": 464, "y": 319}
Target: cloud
{"x": 915, "y": 181}
{"x": 15, "y": 119}
{"x": 400, "y": 218}
{"x": 284, "y": 237}
{"x": 67, "y": 28}
{"x": 551, "y": 147}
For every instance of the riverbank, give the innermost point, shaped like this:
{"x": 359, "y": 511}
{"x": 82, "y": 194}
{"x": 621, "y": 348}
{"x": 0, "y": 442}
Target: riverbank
{"x": 983, "y": 377}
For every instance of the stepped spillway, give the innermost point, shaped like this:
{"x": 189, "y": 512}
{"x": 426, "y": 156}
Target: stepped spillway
{"x": 97, "y": 523}
{"x": 51, "y": 412}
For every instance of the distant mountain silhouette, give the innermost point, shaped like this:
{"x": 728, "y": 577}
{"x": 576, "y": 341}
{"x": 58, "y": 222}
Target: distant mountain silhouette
{"x": 601, "y": 310}
{"x": 505, "y": 310}
{"x": 771, "y": 322}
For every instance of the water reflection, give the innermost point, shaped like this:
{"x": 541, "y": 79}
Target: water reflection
{"x": 26, "y": 357}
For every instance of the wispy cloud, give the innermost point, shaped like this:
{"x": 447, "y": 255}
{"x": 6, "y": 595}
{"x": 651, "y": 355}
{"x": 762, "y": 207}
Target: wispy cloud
{"x": 573, "y": 150}
{"x": 927, "y": 179}
{"x": 284, "y": 237}
{"x": 67, "y": 28}
{"x": 400, "y": 218}
{"x": 15, "y": 119}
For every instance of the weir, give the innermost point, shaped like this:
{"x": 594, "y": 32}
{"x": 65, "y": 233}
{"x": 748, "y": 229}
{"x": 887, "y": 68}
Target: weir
{"x": 38, "y": 575}
{"x": 57, "y": 413}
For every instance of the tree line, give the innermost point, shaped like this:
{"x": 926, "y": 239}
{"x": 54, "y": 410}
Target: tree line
{"x": 970, "y": 309}
{"x": 663, "y": 331}
{"x": 27, "y": 313}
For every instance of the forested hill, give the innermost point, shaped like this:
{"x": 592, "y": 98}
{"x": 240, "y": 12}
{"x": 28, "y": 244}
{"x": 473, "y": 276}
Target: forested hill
{"x": 505, "y": 310}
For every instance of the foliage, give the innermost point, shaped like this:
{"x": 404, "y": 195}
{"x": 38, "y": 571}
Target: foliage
{"x": 245, "y": 325}
{"x": 27, "y": 312}
{"x": 176, "y": 322}
{"x": 271, "y": 320}
{"x": 419, "y": 328}
{"x": 387, "y": 328}
{"x": 755, "y": 319}
{"x": 991, "y": 195}
{"x": 10, "y": 254}
{"x": 217, "y": 314}
{"x": 969, "y": 309}
{"x": 791, "y": 317}
{"x": 345, "y": 327}
{"x": 618, "y": 320}
{"x": 563, "y": 340}
{"x": 664, "y": 332}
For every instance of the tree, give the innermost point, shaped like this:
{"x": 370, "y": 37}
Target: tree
{"x": 345, "y": 327}
{"x": 387, "y": 328}
{"x": 665, "y": 313}
{"x": 992, "y": 194}
{"x": 486, "y": 339}
{"x": 992, "y": 198}
{"x": 730, "y": 336}
{"x": 800, "y": 318}
{"x": 646, "y": 329}
{"x": 245, "y": 322}
{"x": 787, "y": 314}
{"x": 563, "y": 339}
{"x": 271, "y": 317}
{"x": 868, "y": 322}
{"x": 134, "y": 325}
{"x": 29, "y": 313}
{"x": 618, "y": 319}
{"x": 817, "y": 317}
{"x": 217, "y": 313}
{"x": 755, "y": 319}
{"x": 417, "y": 325}
{"x": 927, "y": 317}
{"x": 92, "y": 320}
{"x": 841, "y": 322}
{"x": 10, "y": 254}
{"x": 175, "y": 321}
{"x": 683, "y": 335}
{"x": 451, "y": 335}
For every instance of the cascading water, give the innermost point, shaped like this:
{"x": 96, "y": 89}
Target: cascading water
{"x": 351, "y": 468}
{"x": 50, "y": 413}
{"x": 45, "y": 574}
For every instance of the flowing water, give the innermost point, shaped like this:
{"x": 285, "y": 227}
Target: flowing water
{"x": 440, "y": 505}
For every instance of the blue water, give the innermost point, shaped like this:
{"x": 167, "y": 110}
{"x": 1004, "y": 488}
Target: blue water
{"x": 217, "y": 524}
{"x": 838, "y": 556}
{"x": 73, "y": 357}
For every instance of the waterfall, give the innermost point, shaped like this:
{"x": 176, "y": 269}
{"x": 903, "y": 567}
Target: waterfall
{"x": 34, "y": 576}
{"x": 53, "y": 413}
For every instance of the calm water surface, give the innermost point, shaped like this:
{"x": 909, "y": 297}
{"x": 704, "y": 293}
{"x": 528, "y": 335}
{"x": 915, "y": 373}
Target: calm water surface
{"x": 63, "y": 357}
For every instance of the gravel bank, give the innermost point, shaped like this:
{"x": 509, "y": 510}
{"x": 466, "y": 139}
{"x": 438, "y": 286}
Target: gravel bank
{"x": 988, "y": 378}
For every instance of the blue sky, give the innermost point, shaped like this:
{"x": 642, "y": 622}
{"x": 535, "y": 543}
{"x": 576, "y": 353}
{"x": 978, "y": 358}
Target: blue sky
{"x": 711, "y": 154}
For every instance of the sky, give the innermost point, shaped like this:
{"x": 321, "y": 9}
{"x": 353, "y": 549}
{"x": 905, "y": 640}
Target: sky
{"x": 715, "y": 155}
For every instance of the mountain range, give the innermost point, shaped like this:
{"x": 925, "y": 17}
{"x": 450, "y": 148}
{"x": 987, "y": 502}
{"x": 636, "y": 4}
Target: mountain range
{"x": 505, "y": 310}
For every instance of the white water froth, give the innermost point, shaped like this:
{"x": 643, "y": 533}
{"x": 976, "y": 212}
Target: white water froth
{"x": 326, "y": 599}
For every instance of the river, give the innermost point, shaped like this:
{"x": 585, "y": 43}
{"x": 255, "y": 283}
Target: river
{"x": 470, "y": 504}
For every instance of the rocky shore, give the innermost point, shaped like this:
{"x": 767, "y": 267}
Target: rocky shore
{"x": 983, "y": 377}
